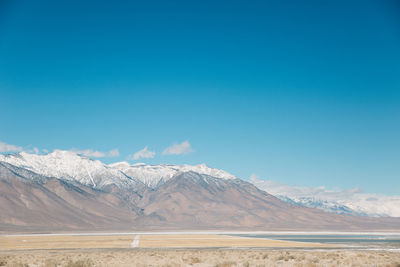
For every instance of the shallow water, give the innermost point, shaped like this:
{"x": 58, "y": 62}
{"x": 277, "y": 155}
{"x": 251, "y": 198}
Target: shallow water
{"x": 365, "y": 241}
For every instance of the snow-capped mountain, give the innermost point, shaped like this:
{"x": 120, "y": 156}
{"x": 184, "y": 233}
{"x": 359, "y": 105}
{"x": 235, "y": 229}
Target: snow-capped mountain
{"x": 70, "y": 166}
{"x": 361, "y": 204}
{"x": 63, "y": 190}
{"x": 154, "y": 175}
{"x": 328, "y": 206}
{"x": 348, "y": 202}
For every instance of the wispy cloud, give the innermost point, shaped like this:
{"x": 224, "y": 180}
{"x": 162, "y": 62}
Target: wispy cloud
{"x": 254, "y": 178}
{"x": 355, "y": 198}
{"x": 4, "y": 147}
{"x": 9, "y": 148}
{"x": 96, "y": 153}
{"x": 113, "y": 153}
{"x": 177, "y": 149}
{"x": 145, "y": 153}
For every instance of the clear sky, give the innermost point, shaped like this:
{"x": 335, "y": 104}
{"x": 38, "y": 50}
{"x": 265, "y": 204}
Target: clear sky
{"x": 299, "y": 92}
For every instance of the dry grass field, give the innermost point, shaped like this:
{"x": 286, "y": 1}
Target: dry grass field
{"x": 220, "y": 241}
{"x": 144, "y": 241}
{"x": 64, "y": 241}
{"x": 178, "y": 250}
{"x": 197, "y": 257}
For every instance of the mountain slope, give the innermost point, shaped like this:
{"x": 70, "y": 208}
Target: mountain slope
{"x": 36, "y": 202}
{"x": 196, "y": 201}
{"x": 350, "y": 202}
{"x": 327, "y": 206}
{"x": 154, "y": 175}
{"x": 69, "y": 166}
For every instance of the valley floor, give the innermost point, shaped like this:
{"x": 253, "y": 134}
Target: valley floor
{"x": 182, "y": 249}
{"x": 198, "y": 257}
{"x": 55, "y": 241}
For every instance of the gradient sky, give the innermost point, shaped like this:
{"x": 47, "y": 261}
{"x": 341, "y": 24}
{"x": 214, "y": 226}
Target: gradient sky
{"x": 299, "y": 92}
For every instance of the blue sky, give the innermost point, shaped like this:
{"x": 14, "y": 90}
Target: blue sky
{"x": 301, "y": 92}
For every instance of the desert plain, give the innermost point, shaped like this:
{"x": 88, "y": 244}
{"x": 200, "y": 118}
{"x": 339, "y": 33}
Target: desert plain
{"x": 179, "y": 250}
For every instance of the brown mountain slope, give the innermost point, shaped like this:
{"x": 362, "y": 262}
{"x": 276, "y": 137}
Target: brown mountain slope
{"x": 198, "y": 201}
{"x": 30, "y": 202}
{"x": 54, "y": 204}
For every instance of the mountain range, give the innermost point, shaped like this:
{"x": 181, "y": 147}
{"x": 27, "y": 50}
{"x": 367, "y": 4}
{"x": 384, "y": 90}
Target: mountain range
{"x": 64, "y": 191}
{"x": 350, "y": 202}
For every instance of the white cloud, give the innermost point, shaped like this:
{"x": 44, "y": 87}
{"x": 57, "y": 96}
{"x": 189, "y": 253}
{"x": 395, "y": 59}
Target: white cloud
{"x": 253, "y": 178}
{"x": 9, "y": 148}
{"x": 96, "y": 153}
{"x": 354, "y": 199}
{"x": 34, "y": 150}
{"x": 177, "y": 149}
{"x": 144, "y": 153}
{"x": 113, "y": 153}
{"x": 86, "y": 152}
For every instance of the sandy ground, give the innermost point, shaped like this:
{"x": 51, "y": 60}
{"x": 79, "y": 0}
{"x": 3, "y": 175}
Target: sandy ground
{"x": 178, "y": 250}
{"x": 142, "y": 241}
{"x": 60, "y": 241}
{"x": 190, "y": 241}
{"x": 197, "y": 257}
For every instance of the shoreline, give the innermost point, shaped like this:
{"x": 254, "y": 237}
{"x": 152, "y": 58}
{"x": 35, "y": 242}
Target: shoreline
{"x": 201, "y": 232}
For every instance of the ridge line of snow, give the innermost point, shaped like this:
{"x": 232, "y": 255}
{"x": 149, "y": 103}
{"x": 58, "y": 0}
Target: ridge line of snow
{"x": 91, "y": 178}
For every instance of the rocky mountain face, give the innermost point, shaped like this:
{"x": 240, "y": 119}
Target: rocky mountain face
{"x": 37, "y": 202}
{"x": 155, "y": 175}
{"x": 70, "y": 167}
{"x": 64, "y": 191}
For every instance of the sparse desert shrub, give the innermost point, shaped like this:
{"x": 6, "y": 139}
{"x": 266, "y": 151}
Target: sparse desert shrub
{"x": 281, "y": 257}
{"x": 246, "y": 264}
{"x": 265, "y": 256}
{"x": 315, "y": 260}
{"x": 18, "y": 264}
{"x": 226, "y": 264}
{"x": 80, "y": 263}
{"x": 286, "y": 257}
{"x": 50, "y": 263}
{"x": 302, "y": 257}
{"x": 194, "y": 260}
{"x": 3, "y": 262}
{"x": 310, "y": 264}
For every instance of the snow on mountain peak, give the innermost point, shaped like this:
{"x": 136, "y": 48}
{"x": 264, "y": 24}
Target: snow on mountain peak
{"x": 119, "y": 165}
{"x": 352, "y": 202}
{"x": 70, "y": 166}
{"x": 153, "y": 175}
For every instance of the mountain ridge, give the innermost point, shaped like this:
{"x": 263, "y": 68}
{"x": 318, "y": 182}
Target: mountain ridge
{"x": 154, "y": 175}
{"x": 186, "y": 200}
